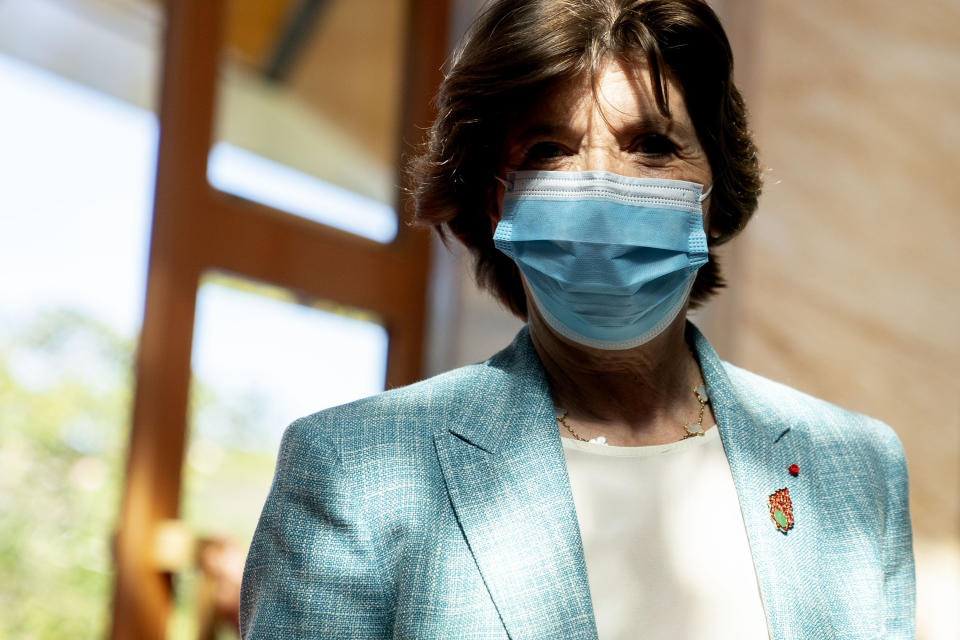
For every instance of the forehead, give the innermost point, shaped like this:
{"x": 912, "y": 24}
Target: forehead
{"x": 622, "y": 94}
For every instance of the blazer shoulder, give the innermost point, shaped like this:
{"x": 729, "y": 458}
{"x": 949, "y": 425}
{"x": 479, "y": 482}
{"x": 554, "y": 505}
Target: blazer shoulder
{"x": 821, "y": 421}
{"x": 411, "y": 415}
{"x": 406, "y": 414}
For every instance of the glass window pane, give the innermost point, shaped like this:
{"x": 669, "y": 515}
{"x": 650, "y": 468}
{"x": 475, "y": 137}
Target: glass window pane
{"x": 245, "y": 174}
{"x": 313, "y": 87}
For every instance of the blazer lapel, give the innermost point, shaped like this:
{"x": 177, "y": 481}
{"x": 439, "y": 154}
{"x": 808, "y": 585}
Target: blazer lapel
{"x": 760, "y": 448}
{"x": 504, "y": 468}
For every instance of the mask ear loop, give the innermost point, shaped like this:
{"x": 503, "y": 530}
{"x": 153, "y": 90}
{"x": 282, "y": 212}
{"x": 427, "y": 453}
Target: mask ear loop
{"x": 703, "y": 196}
{"x": 508, "y": 185}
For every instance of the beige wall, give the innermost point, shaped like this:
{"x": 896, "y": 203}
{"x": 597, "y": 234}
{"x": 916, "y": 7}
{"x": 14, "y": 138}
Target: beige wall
{"x": 845, "y": 284}
{"x": 846, "y": 275}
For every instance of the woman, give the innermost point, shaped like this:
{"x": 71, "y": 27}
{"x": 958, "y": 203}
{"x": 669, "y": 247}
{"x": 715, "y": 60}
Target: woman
{"x": 606, "y": 474}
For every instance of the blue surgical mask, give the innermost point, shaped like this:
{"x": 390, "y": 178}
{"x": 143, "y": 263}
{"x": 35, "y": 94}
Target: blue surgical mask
{"x": 609, "y": 260}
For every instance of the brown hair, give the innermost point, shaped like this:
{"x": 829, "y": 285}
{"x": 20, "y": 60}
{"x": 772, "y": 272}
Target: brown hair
{"x": 516, "y": 50}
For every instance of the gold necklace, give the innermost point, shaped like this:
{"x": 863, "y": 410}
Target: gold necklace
{"x": 697, "y": 429}
{"x": 692, "y": 430}
{"x": 562, "y": 419}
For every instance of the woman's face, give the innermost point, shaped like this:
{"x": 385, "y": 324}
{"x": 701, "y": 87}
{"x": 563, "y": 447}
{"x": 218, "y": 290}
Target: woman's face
{"x": 620, "y": 131}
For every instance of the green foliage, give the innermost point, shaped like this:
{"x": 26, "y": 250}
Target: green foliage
{"x": 66, "y": 385}
{"x": 62, "y": 440}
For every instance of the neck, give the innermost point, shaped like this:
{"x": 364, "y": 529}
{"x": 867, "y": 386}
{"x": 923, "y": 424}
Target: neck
{"x": 633, "y": 397}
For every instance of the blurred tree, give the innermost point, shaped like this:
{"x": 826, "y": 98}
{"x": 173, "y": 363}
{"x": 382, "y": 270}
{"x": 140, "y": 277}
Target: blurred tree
{"x": 66, "y": 387}
{"x": 65, "y": 393}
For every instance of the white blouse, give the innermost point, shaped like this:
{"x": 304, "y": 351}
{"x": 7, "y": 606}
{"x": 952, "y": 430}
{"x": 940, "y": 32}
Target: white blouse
{"x": 665, "y": 545}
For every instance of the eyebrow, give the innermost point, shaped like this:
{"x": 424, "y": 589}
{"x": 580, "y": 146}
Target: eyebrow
{"x": 654, "y": 123}
{"x": 543, "y": 130}
{"x": 646, "y": 123}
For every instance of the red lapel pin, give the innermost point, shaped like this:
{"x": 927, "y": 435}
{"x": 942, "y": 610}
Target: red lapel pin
{"x": 781, "y": 511}
{"x": 794, "y": 470}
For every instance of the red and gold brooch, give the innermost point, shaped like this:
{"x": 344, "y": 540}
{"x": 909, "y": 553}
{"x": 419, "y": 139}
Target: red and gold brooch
{"x": 781, "y": 510}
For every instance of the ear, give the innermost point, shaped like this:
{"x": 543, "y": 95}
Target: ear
{"x": 495, "y": 209}
{"x": 709, "y": 226}
{"x": 713, "y": 232}
{"x": 494, "y": 217}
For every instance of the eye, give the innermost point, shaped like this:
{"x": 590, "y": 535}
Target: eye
{"x": 653, "y": 144}
{"x": 544, "y": 151}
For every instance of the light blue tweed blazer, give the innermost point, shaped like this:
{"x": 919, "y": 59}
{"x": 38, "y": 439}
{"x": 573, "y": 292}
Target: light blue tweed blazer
{"x": 443, "y": 510}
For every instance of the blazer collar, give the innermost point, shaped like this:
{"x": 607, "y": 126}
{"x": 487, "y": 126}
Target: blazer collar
{"x": 725, "y": 398}
{"x": 512, "y": 396}
{"x": 760, "y": 445}
{"x": 506, "y": 475}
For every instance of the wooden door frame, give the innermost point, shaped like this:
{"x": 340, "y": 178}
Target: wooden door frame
{"x": 196, "y": 228}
